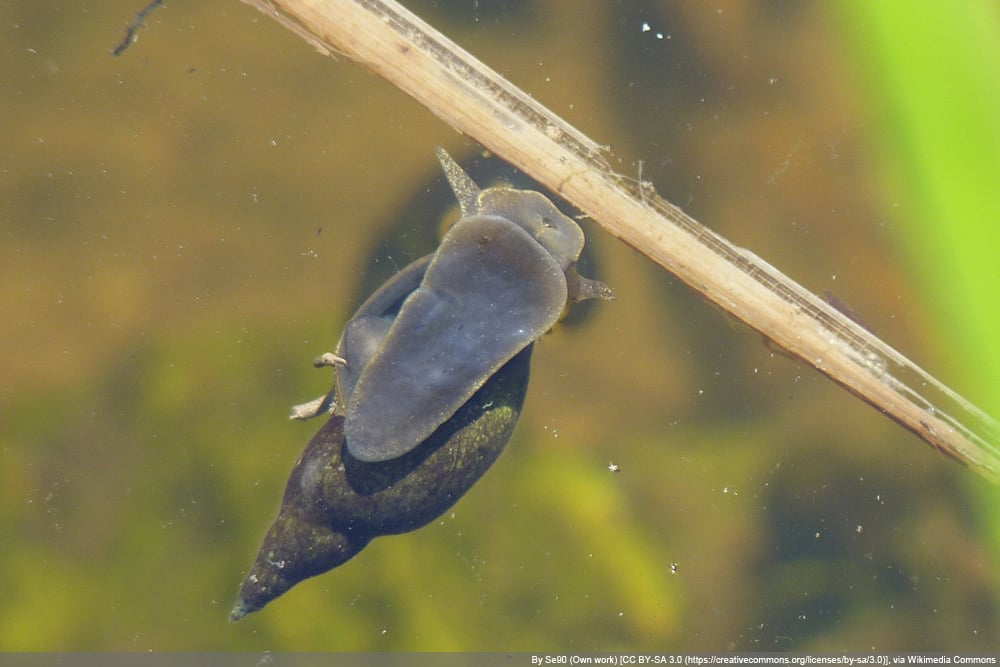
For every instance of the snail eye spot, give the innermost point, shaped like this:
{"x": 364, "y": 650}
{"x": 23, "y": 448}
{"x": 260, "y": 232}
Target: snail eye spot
{"x": 547, "y": 222}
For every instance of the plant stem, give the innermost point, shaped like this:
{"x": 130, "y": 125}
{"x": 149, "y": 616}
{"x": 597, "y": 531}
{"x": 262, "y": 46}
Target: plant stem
{"x": 475, "y": 100}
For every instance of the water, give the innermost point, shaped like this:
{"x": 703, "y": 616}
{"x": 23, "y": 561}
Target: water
{"x": 188, "y": 225}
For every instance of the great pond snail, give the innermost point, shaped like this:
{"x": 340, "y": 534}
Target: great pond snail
{"x": 432, "y": 371}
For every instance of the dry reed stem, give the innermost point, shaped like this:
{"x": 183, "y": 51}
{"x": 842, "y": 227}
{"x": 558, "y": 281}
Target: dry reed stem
{"x": 475, "y": 100}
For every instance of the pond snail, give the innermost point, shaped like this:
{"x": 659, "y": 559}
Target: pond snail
{"x": 432, "y": 371}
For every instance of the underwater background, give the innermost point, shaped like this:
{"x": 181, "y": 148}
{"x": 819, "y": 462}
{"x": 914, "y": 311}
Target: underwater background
{"x": 186, "y": 226}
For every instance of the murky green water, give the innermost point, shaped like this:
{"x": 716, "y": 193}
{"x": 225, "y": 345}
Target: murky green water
{"x": 187, "y": 226}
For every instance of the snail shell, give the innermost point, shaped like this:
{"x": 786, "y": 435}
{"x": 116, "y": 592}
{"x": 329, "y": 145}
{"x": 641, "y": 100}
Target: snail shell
{"x": 334, "y": 503}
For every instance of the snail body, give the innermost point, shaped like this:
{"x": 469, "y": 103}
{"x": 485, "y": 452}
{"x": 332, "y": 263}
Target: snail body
{"x": 432, "y": 371}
